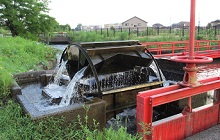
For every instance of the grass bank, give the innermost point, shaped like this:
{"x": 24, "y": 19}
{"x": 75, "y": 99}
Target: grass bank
{"x": 20, "y": 55}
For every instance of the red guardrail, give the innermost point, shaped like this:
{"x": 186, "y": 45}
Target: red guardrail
{"x": 209, "y": 48}
{"x": 181, "y": 125}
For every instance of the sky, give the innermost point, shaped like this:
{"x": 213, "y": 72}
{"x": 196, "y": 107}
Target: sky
{"x": 100, "y": 12}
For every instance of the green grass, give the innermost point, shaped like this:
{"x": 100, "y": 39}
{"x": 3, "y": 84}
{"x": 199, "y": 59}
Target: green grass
{"x": 95, "y": 37}
{"x": 17, "y": 126}
{"x": 92, "y": 36}
{"x": 5, "y": 83}
{"x": 14, "y": 125}
{"x": 20, "y": 55}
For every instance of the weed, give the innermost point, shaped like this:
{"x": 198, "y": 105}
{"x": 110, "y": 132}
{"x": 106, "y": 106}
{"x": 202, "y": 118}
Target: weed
{"x": 147, "y": 129}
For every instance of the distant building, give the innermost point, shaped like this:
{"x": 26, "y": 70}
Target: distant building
{"x": 181, "y": 24}
{"x": 216, "y": 24}
{"x": 184, "y": 24}
{"x": 175, "y": 26}
{"x": 91, "y": 27}
{"x": 115, "y": 25}
{"x": 135, "y": 22}
{"x": 158, "y": 25}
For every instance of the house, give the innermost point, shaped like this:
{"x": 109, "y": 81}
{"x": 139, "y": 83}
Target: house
{"x": 180, "y": 25}
{"x": 184, "y": 24}
{"x": 135, "y": 22}
{"x": 115, "y": 25}
{"x": 91, "y": 27}
{"x": 216, "y": 24}
{"x": 157, "y": 25}
{"x": 175, "y": 26}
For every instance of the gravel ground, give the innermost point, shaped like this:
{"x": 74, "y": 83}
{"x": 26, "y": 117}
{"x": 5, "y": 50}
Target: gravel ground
{"x": 209, "y": 134}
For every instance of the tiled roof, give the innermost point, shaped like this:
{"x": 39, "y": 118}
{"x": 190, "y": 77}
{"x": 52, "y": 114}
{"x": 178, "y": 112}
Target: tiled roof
{"x": 134, "y": 17}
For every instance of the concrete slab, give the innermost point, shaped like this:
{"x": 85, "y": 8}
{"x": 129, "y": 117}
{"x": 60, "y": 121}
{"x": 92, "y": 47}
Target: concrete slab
{"x": 96, "y": 111}
{"x": 212, "y": 133}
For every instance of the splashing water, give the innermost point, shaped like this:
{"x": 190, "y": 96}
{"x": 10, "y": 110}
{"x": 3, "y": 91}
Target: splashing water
{"x": 71, "y": 91}
{"x": 154, "y": 68}
{"x": 59, "y": 73}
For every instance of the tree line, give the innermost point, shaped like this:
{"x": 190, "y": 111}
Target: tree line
{"x": 28, "y": 18}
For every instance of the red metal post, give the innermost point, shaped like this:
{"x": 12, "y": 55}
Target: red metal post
{"x": 190, "y": 104}
{"x": 173, "y": 48}
{"x": 192, "y": 30}
{"x": 216, "y": 99}
{"x": 190, "y": 75}
{"x": 144, "y": 112}
{"x": 191, "y": 67}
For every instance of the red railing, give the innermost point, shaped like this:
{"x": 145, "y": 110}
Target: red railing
{"x": 181, "y": 125}
{"x": 209, "y": 48}
{"x": 190, "y": 121}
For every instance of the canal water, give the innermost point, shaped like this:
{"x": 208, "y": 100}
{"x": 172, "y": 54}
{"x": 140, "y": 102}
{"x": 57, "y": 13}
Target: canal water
{"x": 209, "y": 70}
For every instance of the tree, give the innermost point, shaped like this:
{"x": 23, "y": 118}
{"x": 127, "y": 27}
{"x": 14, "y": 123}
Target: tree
{"x": 112, "y": 28}
{"x": 26, "y": 18}
{"x": 65, "y": 27}
{"x": 209, "y": 25}
{"x": 78, "y": 27}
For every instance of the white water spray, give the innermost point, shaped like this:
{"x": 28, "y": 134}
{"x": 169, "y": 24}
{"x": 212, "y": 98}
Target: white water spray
{"x": 71, "y": 90}
{"x": 154, "y": 68}
{"x": 59, "y": 73}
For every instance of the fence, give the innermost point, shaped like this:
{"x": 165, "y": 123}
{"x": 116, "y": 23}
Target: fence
{"x": 151, "y": 31}
{"x": 210, "y": 48}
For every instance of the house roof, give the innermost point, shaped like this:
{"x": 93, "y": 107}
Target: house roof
{"x": 157, "y": 24}
{"x": 184, "y": 22}
{"x": 134, "y": 17}
{"x": 216, "y": 21}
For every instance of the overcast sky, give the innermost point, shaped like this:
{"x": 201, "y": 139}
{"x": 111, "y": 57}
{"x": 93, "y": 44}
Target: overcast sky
{"x": 100, "y": 12}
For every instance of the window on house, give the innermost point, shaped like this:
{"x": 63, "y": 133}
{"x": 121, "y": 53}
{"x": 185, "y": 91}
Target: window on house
{"x": 135, "y": 25}
{"x": 139, "y": 24}
{"x": 126, "y": 24}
